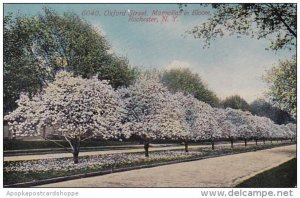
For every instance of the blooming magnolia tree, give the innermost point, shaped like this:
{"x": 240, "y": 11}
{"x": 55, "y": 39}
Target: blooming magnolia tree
{"x": 274, "y": 130}
{"x": 245, "y": 132}
{"x": 206, "y": 126}
{"x": 285, "y": 132}
{"x": 78, "y": 108}
{"x": 189, "y": 116}
{"x": 293, "y": 130}
{"x": 199, "y": 120}
{"x": 24, "y": 121}
{"x": 243, "y": 122}
{"x": 289, "y": 131}
{"x": 153, "y": 113}
{"x": 228, "y": 129}
{"x": 279, "y": 132}
{"x": 262, "y": 128}
{"x": 268, "y": 131}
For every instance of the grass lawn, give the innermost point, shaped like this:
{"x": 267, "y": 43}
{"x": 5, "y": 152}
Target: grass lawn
{"x": 282, "y": 176}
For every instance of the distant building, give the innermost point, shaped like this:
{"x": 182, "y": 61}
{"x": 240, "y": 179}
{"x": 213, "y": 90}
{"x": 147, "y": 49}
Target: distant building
{"x": 48, "y": 132}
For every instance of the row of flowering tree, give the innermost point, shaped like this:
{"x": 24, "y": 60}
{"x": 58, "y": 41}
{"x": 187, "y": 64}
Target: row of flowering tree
{"x": 87, "y": 108}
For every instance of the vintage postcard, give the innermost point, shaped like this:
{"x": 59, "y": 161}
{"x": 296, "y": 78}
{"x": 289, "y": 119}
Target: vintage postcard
{"x": 126, "y": 95}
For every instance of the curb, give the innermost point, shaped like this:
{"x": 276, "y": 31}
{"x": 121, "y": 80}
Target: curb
{"x": 105, "y": 172}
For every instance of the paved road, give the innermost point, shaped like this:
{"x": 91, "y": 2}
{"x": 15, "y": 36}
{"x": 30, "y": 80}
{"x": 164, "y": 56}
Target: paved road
{"x": 226, "y": 171}
{"x": 89, "y": 153}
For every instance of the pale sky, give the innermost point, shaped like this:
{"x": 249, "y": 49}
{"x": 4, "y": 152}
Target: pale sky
{"x": 230, "y": 66}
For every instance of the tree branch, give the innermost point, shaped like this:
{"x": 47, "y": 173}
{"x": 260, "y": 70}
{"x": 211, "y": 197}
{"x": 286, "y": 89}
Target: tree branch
{"x": 287, "y": 26}
{"x": 55, "y": 143}
{"x": 279, "y": 15}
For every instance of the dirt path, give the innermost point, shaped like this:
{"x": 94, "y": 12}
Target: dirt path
{"x": 89, "y": 153}
{"x": 226, "y": 171}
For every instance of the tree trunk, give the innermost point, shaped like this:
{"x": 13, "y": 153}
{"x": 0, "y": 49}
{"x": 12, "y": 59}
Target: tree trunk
{"x": 186, "y": 146}
{"x": 256, "y": 142}
{"x": 271, "y": 141}
{"x": 245, "y": 142}
{"x": 14, "y": 135}
{"x": 44, "y": 132}
{"x": 231, "y": 142}
{"x": 75, "y": 145}
{"x": 146, "y": 147}
{"x": 264, "y": 141}
{"x": 75, "y": 157}
{"x": 212, "y": 144}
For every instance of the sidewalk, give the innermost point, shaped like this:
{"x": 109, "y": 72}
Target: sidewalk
{"x": 226, "y": 171}
{"x": 89, "y": 153}
{"x": 86, "y": 153}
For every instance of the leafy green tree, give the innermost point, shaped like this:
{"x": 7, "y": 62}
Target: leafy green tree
{"x": 21, "y": 72}
{"x": 263, "y": 108}
{"x": 276, "y": 22}
{"x": 282, "y": 80}
{"x": 187, "y": 82}
{"x": 118, "y": 72}
{"x": 37, "y": 47}
{"x": 235, "y": 102}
